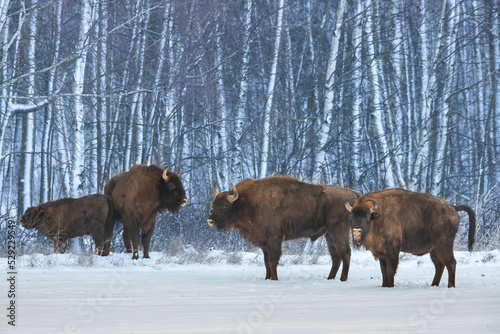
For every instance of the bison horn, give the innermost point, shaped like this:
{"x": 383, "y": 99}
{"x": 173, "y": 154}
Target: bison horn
{"x": 232, "y": 198}
{"x": 375, "y": 205}
{"x": 164, "y": 175}
{"x": 347, "y": 205}
{"x": 179, "y": 172}
{"x": 215, "y": 191}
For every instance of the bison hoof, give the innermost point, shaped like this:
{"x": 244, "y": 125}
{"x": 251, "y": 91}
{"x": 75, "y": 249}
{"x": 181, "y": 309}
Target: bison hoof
{"x": 135, "y": 256}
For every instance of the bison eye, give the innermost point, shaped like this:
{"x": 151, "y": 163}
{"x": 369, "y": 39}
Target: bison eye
{"x": 170, "y": 186}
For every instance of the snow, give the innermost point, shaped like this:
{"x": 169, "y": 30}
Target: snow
{"x": 73, "y": 293}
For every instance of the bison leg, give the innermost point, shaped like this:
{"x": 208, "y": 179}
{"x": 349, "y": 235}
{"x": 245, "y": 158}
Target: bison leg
{"x": 451, "y": 266}
{"x": 274, "y": 254}
{"x": 266, "y": 263}
{"x": 383, "y": 268}
{"x": 449, "y": 261}
{"x": 389, "y": 265}
{"x": 127, "y": 241}
{"x": 133, "y": 231}
{"x": 339, "y": 251}
{"x": 439, "y": 265}
{"x": 98, "y": 241}
{"x": 146, "y": 239}
{"x": 64, "y": 246}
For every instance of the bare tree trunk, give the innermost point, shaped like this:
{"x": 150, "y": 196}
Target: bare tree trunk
{"x": 243, "y": 92}
{"x": 320, "y": 164}
{"x": 428, "y": 97}
{"x": 79, "y": 109}
{"x": 444, "y": 115}
{"x": 266, "y": 134}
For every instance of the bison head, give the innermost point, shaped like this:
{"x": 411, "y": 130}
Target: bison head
{"x": 224, "y": 209}
{"x": 30, "y": 218}
{"x": 362, "y": 215}
{"x": 173, "y": 193}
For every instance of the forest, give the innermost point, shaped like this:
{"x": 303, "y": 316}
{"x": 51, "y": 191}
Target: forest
{"x": 364, "y": 94}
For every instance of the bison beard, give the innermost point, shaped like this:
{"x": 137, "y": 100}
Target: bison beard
{"x": 269, "y": 211}
{"x": 69, "y": 217}
{"x": 393, "y": 220}
{"x": 138, "y": 196}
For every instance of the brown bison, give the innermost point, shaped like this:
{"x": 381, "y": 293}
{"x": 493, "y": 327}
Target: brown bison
{"x": 73, "y": 217}
{"x": 269, "y": 211}
{"x": 138, "y": 195}
{"x": 393, "y": 220}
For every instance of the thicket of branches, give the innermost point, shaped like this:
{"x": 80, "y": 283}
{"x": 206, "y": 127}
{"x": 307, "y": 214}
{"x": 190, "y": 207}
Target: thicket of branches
{"x": 365, "y": 94}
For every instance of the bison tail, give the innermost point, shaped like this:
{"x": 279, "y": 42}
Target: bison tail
{"x": 472, "y": 223}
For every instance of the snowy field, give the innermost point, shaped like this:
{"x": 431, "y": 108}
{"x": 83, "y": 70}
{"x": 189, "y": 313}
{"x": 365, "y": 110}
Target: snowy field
{"x": 228, "y": 294}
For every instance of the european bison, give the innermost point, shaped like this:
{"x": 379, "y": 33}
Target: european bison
{"x": 138, "y": 195}
{"x": 393, "y": 220}
{"x": 271, "y": 210}
{"x": 73, "y": 217}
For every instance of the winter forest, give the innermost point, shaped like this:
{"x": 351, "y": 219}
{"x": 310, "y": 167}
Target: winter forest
{"x": 364, "y": 94}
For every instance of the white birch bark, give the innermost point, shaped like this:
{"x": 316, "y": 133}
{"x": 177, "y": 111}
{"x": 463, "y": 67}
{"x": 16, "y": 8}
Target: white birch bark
{"x": 102, "y": 89}
{"x": 138, "y": 99}
{"x": 52, "y": 84}
{"x": 79, "y": 77}
{"x": 168, "y": 114}
{"x": 243, "y": 93}
{"x": 320, "y": 163}
{"x": 270, "y": 93}
{"x": 482, "y": 180}
{"x": 444, "y": 115}
{"x": 125, "y": 87}
{"x": 397, "y": 138}
{"x": 30, "y": 129}
{"x": 377, "y": 113}
{"x": 356, "y": 104}
{"x": 428, "y": 88}
{"x": 223, "y": 115}
{"x": 4, "y": 8}
{"x": 158, "y": 76}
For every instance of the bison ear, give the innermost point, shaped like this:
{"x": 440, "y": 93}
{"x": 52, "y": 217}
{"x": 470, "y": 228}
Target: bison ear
{"x": 375, "y": 215}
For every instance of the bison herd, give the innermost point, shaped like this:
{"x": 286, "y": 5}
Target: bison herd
{"x": 267, "y": 212}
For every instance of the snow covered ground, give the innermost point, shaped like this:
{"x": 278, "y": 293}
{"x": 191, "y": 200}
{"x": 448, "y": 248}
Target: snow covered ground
{"x": 88, "y": 294}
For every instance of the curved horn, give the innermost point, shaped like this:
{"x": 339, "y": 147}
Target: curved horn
{"x": 215, "y": 191}
{"x": 375, "y": 205}
{"x": 164, "y": 175}
{"x": 232, "y": 198}
{"x": 179, "y": 172}
{"x": 347, "y": 205}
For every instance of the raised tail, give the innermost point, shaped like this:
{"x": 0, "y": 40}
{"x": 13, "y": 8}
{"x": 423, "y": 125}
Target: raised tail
{"x": 472, "y": 223}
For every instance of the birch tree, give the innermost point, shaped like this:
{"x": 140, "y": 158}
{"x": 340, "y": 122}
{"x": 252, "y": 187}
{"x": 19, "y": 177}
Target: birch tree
{"x": 320, "y": 163}
{"x": 444, "y": 115}
{"x": 243, "y": 91}
{"x": 266, "y": 128}
{"x": 77, "y": 177}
